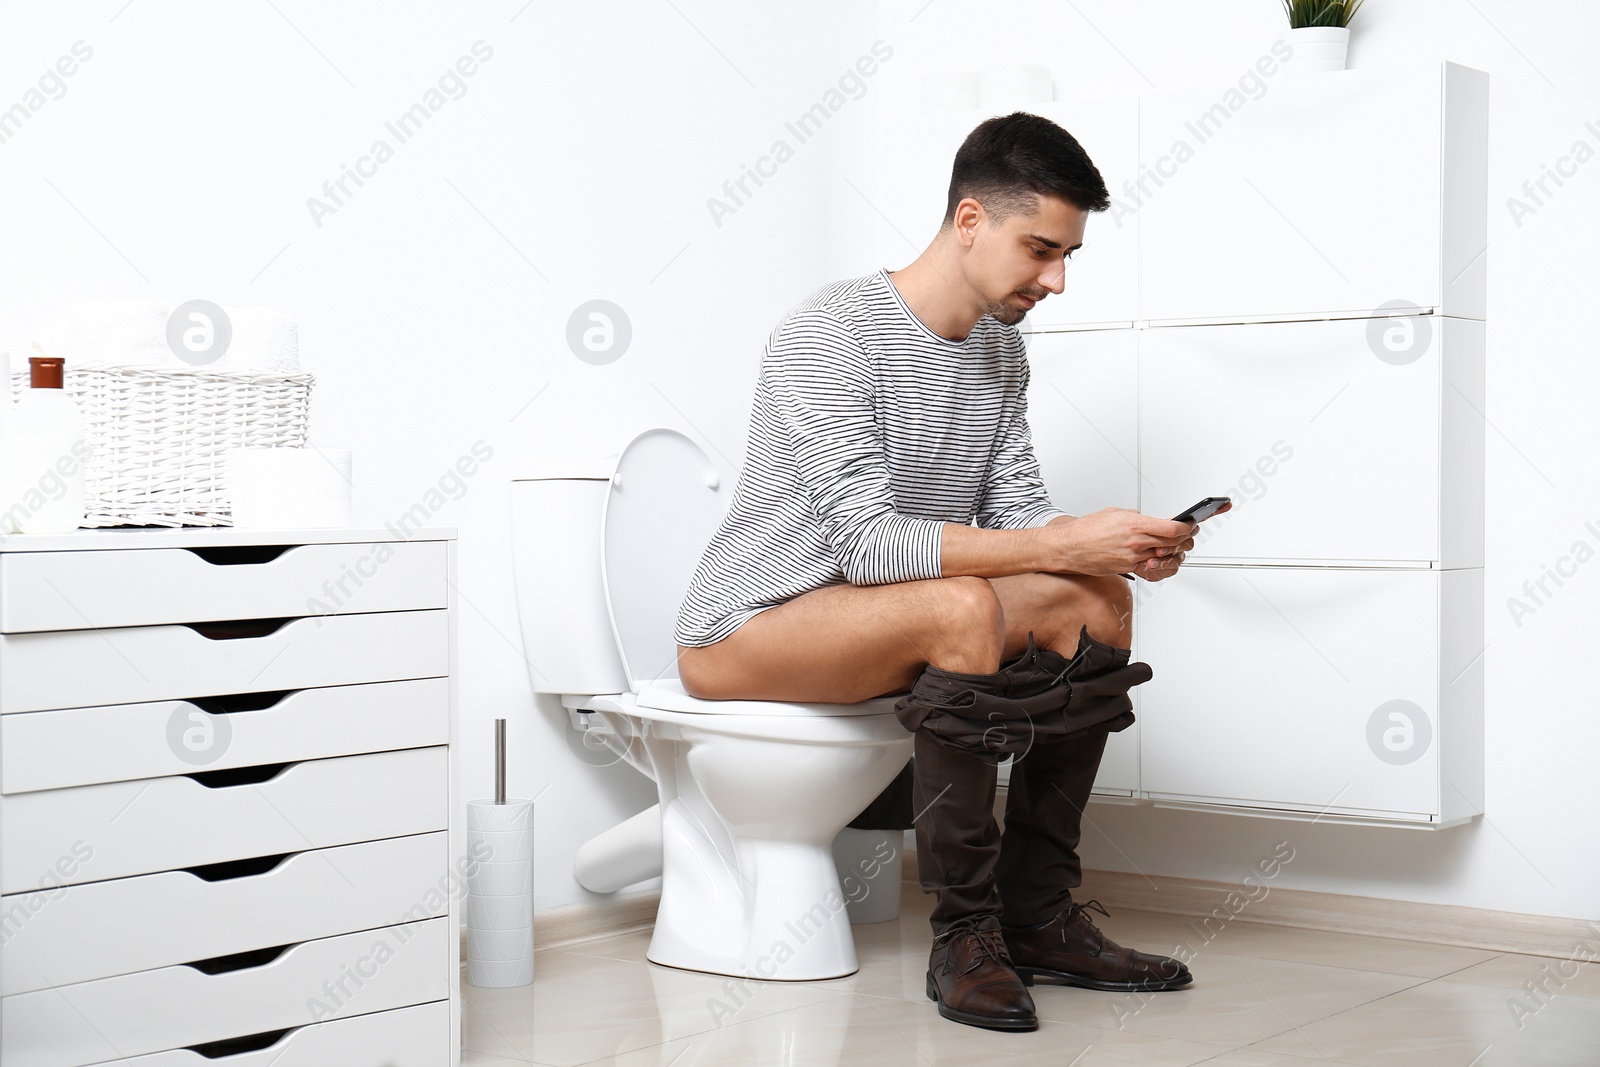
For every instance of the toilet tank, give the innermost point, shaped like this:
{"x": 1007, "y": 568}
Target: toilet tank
{"x": 555, "y": 551}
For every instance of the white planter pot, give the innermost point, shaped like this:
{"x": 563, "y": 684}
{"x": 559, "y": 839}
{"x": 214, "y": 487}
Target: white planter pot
{"x": 1317, "y": 48}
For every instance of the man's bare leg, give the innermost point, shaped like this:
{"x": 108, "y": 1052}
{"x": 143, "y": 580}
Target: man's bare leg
{"x": 847, "y": 643}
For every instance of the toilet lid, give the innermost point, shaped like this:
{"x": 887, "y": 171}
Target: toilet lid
{"x": 665, "y": 501}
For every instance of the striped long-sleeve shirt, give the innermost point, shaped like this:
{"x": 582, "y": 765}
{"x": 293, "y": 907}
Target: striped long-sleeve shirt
{"x": 868, "y": 433}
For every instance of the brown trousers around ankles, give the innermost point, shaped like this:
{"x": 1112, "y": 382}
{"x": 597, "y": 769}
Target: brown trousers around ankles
{"x": 1053, "y": 716}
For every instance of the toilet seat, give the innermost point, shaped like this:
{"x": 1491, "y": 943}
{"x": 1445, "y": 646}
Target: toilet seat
{"x": 872, "y": 726}
{"x": 668, "y": 695}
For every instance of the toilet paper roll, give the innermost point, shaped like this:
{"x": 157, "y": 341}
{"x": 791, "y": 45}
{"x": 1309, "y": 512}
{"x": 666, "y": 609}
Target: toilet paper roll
{"x": 954, "y": 90}
{"x": 289, "y": 487}
{"x": 1013, "y": 87}
{"x": 500, "y": 893}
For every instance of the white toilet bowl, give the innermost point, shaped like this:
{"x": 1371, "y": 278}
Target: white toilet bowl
{"x": 752, "y": 792}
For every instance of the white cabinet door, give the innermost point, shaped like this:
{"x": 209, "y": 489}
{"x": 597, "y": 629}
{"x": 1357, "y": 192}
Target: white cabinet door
{"x": 1298, "y": 689}
{"x": 1102, "y": 278}
{"x": 1083, "y": 412}
{"x": 1316, "y": 195}
{"x": 1329, "y": 449}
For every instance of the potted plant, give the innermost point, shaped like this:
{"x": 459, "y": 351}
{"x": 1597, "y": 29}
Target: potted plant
{"x": 1319, "y": 32}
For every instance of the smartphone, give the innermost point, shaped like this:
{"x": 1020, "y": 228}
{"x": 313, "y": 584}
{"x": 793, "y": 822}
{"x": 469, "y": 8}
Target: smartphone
{"x": 1197, "y": 513}
{"x": 1201, "y": 511}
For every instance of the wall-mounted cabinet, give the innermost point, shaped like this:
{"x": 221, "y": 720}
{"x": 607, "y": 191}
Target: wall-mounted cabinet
{"x": 1284, "y": 305}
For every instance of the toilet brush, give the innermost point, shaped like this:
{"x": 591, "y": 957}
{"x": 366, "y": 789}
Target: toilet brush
{"x": 500, "y": 883}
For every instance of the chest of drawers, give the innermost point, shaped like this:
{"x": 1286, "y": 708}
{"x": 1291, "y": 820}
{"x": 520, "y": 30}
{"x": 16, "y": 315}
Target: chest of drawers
{"x": 226, "y": 799}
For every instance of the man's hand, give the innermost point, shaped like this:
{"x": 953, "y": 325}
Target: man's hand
{"x": 1117, "y": 540}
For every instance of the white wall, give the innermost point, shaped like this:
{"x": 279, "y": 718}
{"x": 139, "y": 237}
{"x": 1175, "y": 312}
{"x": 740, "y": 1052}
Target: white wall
{"x": 179, "y": 161}
{"x": 433, "y": 304}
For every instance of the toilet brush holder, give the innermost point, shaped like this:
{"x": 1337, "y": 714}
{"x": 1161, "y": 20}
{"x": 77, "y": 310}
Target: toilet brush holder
{"x": 500, "y": 885}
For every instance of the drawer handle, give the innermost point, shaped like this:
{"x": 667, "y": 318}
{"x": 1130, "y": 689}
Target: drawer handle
{"x": 236, "y": 555}
{"x": 228, "y": 777}
{"x": 238, "y": 1046}
{"x": 240, "y": 961}
{"x": 245, "y": 868}
{"x": 234, "y": 629}
{"x": 230, "y": 703}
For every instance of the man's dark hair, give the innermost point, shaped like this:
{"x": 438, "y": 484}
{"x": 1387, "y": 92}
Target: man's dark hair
{"x": 1011, "y": 159}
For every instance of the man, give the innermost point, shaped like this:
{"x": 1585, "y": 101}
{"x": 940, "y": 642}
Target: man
{"x": 890, "y": 413}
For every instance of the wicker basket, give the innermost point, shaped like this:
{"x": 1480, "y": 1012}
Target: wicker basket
{"x": 158, "y": 439}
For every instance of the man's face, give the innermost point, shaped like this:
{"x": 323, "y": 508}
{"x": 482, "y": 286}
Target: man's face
{"x": 1016, "y": 262}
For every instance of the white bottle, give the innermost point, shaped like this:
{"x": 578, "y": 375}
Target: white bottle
{"x": 41, "y": 463}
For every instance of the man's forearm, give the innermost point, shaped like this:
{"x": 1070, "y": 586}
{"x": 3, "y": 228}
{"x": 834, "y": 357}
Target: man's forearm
{"x": 996, "y": 553}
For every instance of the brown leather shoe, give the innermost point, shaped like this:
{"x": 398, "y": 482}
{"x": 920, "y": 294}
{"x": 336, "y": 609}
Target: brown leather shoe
{"x": 1071, "y": 949}
{"x": 970, "y": 976}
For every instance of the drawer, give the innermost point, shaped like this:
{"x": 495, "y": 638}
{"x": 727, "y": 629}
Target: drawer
{"x": 92, "y": 833}
{"x": 121, "y": 742}
{"x": 1302, "y": 689}
{"x": 83, "y": 932}
{"x": 174, "y": 1007}
{"x": 68, "y": 669}
{"x": 418, "y": 1036}
{"x": 1236, "y": 222}
{"x": 143, "y": 587}
{"x": 1332, "y": 454}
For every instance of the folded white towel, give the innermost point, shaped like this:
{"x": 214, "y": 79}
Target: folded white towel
{"x": 114, "y": 333}
{"x": 264, "y": 338}
{"x": 133, "y": 333}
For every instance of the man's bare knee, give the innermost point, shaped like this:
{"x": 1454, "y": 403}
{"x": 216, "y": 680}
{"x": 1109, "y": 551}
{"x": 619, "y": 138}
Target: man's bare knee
{"x": 1069, "y": 602}
{"x": 969, "y": 631}
{"x": 969, "y": 597}
{"x": 1108, "y": 604}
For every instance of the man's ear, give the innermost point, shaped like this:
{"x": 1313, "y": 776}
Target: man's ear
{"x": 969, "y": 215}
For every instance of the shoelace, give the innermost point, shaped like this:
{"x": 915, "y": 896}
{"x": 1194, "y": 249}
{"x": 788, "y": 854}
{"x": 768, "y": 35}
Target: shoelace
{"x": 1075, "y": 912}
{"x": 990, "y": 944}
